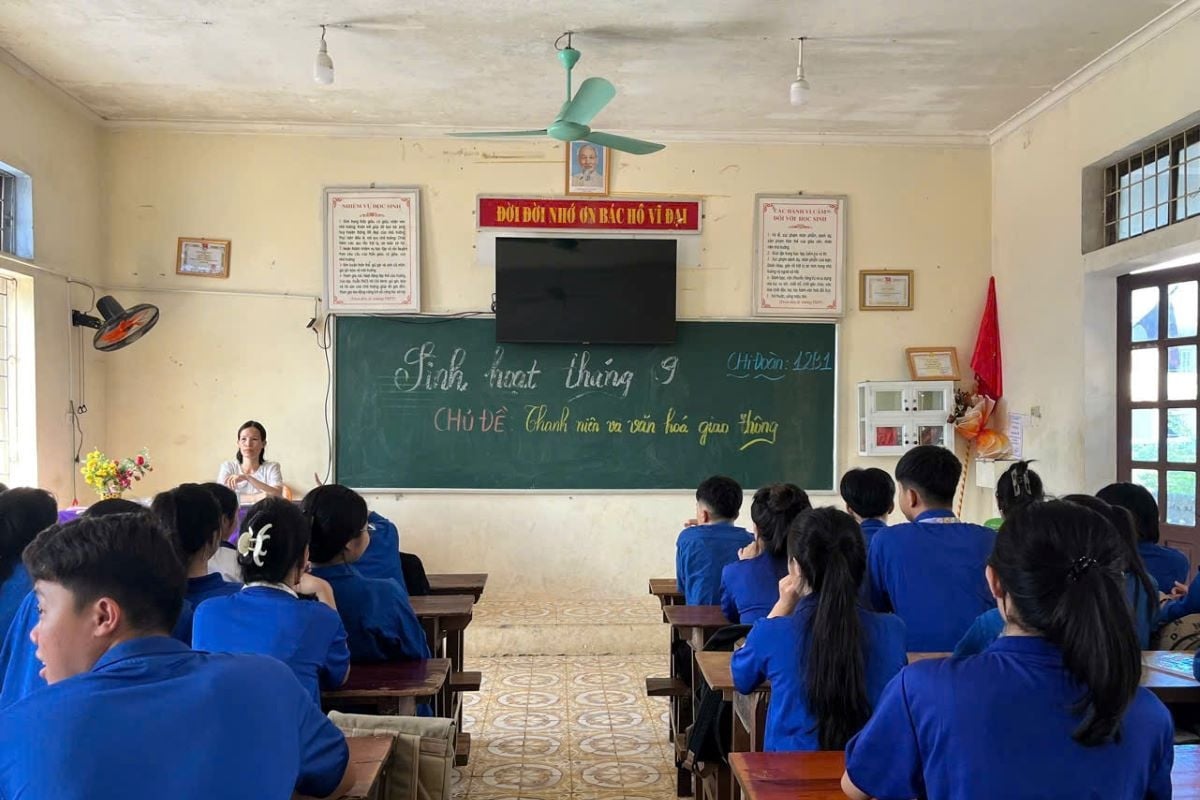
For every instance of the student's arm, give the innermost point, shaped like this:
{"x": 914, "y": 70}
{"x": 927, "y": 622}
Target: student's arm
{"x": 728, "y": 604}
{"x": 852, "y": 791}
{"x": 336, "y": 669}
{"x": 400, "y": 635}
{"x": 749, "y": 664}
{"x": 875, "y": 566}
{"x": 884, "y": 758}
{"x": 319, "y": 587}
{"x": 1159, "y": 786}
{"x": 1188, "y": 604}
{"x": 324, "y": 754}
{"x": 681, "y": 572}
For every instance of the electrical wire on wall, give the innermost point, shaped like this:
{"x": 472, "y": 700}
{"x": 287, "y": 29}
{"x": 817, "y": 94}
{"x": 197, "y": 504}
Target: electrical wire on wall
{"x": 320, "y": 326}
{"x": 77, "y": 380}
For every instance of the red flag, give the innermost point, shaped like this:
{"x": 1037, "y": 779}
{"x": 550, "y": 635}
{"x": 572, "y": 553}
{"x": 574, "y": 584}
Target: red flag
{"x": 989, "y": 374}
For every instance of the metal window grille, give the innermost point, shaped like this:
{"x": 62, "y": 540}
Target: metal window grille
{"x": 8, "y": 212}
{"x": 8, "y": 387}
{"x": 1154, "y": 188}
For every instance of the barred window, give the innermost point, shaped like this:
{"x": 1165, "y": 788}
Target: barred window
{"x": 8, "y": 213}
{"x": 8, "y": 377}
{"x": 1153, "y": 188}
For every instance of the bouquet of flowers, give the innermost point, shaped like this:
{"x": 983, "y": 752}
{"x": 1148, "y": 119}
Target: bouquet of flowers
{"x": 111, "y": 477}
{"x": 970, "y": 417}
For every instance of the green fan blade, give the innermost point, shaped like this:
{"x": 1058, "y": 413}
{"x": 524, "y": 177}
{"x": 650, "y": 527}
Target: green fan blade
{"x": 497, "y": 134}
{"x": 593, "y": 95}
{"x": 635, "y": 147}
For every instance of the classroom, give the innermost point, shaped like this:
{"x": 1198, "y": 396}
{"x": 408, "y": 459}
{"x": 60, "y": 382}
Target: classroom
{"x": 853, "y": 202}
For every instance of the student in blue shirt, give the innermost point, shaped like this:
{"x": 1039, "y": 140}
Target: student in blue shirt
{"x": 929, "y": 571}
{"x": 1052, "y": 708}
{"x": 224, "y": 560}
{"x": 132, "y": 713}
{"x": 24, "y": 513}
{"x": 1139, "y": 586}
{"x": 1166, "y": 565}
{"x": 192, "y": 515}
{"x": 710, "y": 541}
{"x": 19, "y": 666}
{"x": 750, "y": 586}
{"x": 868, "y": 495}
{"x": 380, "y": 622}
{"x": 268, "y": 615}
{"x": 826, "y": 657}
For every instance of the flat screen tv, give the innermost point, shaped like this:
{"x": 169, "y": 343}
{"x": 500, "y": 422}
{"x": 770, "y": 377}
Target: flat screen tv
{"x": 585, "y": 291}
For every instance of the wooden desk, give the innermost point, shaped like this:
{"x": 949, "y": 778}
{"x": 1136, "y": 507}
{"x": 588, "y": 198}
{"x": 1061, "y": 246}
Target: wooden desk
{"x": 1168, "y": 673}
{"x": 818, "y": 776}
{"x": 369, "y": 756}
{"x": 694, "y": 624}
{"x": 667, "y": 592}
{"x": 391, "y": 687}
{"x": 444, "y": 618}
{"x": 471, "y": 583}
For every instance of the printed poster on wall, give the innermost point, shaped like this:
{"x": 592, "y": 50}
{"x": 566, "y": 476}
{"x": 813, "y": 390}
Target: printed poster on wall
{"x": 799, "y": 255}
{"x": 372, "y": 250}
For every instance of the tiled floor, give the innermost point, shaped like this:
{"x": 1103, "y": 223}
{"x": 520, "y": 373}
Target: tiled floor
{"x": 571, "y": 727}
{"x": 557, "y": 612}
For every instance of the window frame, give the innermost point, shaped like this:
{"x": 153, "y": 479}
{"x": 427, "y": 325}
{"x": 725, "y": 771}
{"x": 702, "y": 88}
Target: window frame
{"x": 1174, "y": 150}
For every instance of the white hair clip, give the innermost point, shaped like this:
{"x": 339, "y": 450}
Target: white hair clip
{"x": 254, "y": 543}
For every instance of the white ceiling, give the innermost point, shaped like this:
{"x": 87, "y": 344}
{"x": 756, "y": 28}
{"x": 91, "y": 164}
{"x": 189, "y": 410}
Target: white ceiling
{"x": 722, "y": 67}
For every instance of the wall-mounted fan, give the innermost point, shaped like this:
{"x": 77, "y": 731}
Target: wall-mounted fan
{"x": 571, "y": 124}
{"x": 119, "y": 327}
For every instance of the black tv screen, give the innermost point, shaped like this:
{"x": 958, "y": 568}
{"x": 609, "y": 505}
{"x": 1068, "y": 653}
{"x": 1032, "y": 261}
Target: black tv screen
{"x": 602, "y": 291}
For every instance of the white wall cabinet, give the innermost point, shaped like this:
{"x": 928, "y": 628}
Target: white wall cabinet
{"x": 894, "y": 416}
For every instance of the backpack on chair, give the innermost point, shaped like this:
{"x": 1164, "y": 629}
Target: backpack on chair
{"x": 709, "y": 738}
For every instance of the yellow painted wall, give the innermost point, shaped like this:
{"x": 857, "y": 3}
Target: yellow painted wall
{"x": 1057, "y": 307}
{"x": 214, "y": 362}
{"x": 45, "y": 136}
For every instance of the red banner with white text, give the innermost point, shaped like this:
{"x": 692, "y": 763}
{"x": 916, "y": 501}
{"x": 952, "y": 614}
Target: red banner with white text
{"x": 531, "y": 213}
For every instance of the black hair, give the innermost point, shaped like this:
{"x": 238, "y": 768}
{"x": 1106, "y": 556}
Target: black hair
{"x": 262, "y": 457}
{"x": 828, "y": 547}
{"x": 868, "y": 492}
{"x": 283, "y": 547}
{"x": 128, "y": 557}
{"x": 226, "y": 498}
{"x": 24, "y": 513}
{"x": 191, "y": 514}
{"x": 114, "y": 505}
{"x": 932, "y": 472}
{"x": 1062, "y": 566}
{"x": 772, "y": 510}
{"x": 722, "y": 495}
{"x": 337, "y": 515}
{"x": 1122, "y": 522}
{"x": 1140, "y": 503}
{"x": 1018, "y": 484}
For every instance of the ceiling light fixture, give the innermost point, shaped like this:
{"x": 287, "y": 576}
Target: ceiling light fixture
{"x": 323, "y": 66}
{"x": 800, "y": 86}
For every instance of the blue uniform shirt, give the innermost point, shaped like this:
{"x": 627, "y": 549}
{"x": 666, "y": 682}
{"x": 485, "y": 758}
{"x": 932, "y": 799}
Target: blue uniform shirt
{"x": 380, "y": 623}
{"x": 1188, "y": 604}
{"x": 777, "y": 650}
{"x": 306, "y": 635}
{"x": 750, "y": 588}
{"x": 930, "y": 572}
{"x": 12, "y": 593}
{"x": 1166, "y": 565}
{"x": 701, "y": 552}
{"x": 381, "y": 559}
{"x": 998, "y": 725}
{"x": 211, "y": 585}
{"x": 19, "y": 667}
{"x": 155, "y": 719}
{"x": 989, "y": 625}
{"x": 870, "y": 527}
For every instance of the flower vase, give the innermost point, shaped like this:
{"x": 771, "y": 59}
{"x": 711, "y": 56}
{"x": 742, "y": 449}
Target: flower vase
{"x": 110, "y": 495}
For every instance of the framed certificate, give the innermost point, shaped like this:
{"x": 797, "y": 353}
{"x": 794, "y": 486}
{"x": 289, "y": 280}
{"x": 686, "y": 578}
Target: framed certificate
{"x": 206, "y": 258}
{"x": 932, "y": 363}
{"x": 885, "y": 290}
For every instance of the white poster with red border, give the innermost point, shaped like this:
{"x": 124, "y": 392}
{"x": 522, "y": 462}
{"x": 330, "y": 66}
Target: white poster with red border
{"x": 373, "y": 250}
{"x": 799, "y": 255}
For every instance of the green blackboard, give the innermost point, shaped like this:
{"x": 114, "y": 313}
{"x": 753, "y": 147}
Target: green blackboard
{"x": 427, "y": 402}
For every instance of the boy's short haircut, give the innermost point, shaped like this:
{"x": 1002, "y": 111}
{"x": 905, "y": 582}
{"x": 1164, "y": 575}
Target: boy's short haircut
{"x": 932, "y": 472}
{"x": 722, "y": 495}
{"x": 868, "y": 492}
{"x": 1138, "y": 501}
{"x": 128, "y": 557}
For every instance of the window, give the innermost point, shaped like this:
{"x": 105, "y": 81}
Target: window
{"x": 1153, "y": 188}
{"x": 1157, "y": 395}
{"x": 8, "y": 382}
{"x": 8, "y": 212}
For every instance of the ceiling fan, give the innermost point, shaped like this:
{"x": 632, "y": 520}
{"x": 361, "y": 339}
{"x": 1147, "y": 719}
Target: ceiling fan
{"x": 571, "y": 124}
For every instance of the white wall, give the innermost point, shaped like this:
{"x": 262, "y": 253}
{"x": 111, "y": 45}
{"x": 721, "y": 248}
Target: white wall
{"x": 58, "y": 146}
{"x": 214, "y": 362}
{"x": 1058, "y": 307}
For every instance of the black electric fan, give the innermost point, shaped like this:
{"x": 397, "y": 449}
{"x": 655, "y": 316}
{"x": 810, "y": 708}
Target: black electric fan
{"x": 119, "y": 327}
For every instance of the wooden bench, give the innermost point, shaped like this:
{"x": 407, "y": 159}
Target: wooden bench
{"x": 471, "y": 583}
{"x": 818, "y": 776}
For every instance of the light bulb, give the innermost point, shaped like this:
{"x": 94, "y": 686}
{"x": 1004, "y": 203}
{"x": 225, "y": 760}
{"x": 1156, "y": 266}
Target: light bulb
{"x": 799, "y": 92}
{"x": 323, "y": 66}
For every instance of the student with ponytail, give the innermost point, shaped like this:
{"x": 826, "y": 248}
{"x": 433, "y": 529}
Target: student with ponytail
{"x": 193, "y": 517}
{"x": 827, "y": 658}
{"x": 1052, "y": 708}
{"x": 1019, "y": 484}
{"x": 750, "y": 586}
{"x": 272, "y": 614}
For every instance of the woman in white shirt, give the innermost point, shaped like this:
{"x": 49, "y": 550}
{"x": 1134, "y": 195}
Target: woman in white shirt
{"x": 250, "y": 475}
